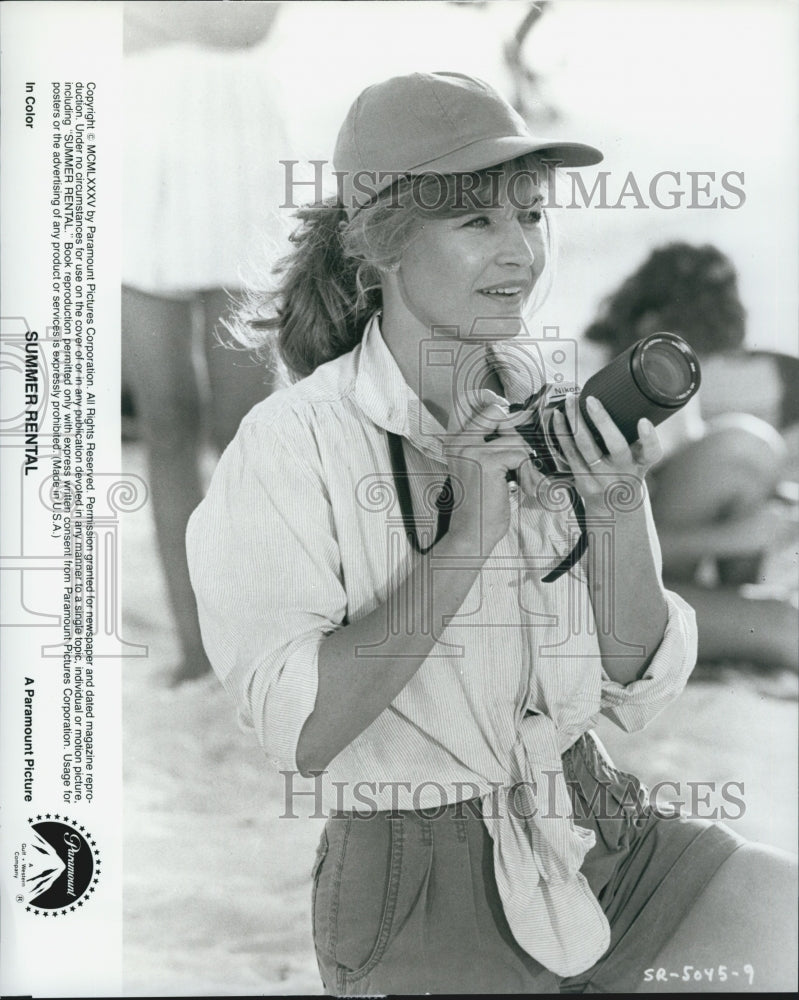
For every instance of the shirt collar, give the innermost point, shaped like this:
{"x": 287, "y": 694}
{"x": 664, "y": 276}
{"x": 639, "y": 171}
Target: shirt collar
{"x": 386, "y": 398}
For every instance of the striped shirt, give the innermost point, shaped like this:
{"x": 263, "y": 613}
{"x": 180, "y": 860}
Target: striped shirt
{"x": 301, "y": 533}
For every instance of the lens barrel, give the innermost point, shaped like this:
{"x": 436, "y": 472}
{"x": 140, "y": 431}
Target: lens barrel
{"x": 654, "y": 378}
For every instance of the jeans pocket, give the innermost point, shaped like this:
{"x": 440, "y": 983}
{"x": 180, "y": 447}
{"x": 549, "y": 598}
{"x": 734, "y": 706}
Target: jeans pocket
{"x": 362, "y": 896}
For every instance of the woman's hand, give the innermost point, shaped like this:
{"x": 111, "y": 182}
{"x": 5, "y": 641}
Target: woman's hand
{"x": 479, "y": 468}
{"x": 637, "y": 612}
{"x": 589, "y": 466}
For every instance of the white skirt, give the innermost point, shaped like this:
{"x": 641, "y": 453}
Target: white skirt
{"x": 202, "y": 182}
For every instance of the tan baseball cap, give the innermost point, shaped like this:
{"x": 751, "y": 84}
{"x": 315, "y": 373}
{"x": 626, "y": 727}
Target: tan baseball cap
{"x": 445, "y": 123}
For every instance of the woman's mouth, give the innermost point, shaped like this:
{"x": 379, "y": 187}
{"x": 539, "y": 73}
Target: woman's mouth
{"x": 507, "y": 293}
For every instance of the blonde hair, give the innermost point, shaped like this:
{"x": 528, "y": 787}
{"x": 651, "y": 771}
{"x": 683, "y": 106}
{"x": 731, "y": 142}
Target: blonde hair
{"x": 329, "y": 286}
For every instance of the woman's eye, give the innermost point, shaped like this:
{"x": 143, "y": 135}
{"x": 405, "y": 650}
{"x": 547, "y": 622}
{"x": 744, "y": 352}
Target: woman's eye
{"x": 533, "y": 217}
{"x": 479, "y": 222}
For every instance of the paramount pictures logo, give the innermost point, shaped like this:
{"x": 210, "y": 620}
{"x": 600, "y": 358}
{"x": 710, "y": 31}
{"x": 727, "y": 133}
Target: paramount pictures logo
{"x": 57, "y": 867}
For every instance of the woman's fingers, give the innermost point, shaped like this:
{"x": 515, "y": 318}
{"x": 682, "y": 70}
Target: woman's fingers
{"x": 613, "y": 439}
{"x": 566, "y": 441}
{"x": 580, "y": 441}
{"x": 650, "y": 447}
{"x": 485, "y": 436}
{"x": 487, "y": 425}
{"x": 647, "y": 450}
{"x": 480, "y": 422}
{"x": 529, "y": 477}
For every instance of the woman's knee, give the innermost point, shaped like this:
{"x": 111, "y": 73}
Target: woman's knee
{"x": 759, "y": 885}
{"x": 744, "y": 918}
{"x": 748, "y": 442}
{"x": 765, "y": 875}
{"x": 728, "y": 471}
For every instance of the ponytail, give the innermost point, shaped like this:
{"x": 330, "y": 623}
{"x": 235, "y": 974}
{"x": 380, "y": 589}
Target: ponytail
{"x": 323, "y": 299}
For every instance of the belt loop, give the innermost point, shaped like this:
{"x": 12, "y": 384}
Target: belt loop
{"x": 427, "y": 830}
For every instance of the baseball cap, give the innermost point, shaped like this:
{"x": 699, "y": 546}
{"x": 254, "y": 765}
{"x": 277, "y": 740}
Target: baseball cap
{"x": 435, "y": 123}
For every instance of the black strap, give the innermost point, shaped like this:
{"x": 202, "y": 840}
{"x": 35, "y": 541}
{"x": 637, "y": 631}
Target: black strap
{"x": 576, "y": 553}
{"x": 444, "y": 500}
{"x": 444, "y": 504}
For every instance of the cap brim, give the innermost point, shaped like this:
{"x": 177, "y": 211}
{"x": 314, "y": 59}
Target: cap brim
{"x": 489, "y": 152}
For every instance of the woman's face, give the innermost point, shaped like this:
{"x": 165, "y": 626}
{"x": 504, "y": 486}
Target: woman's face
{"x": 474, "y": 273}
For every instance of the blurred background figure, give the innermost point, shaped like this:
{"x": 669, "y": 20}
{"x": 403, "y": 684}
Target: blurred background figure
{"x": 202, "y": 185}
{"x": 724, "y": 496}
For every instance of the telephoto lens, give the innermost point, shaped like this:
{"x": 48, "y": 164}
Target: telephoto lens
{"x": 654, "y": 379}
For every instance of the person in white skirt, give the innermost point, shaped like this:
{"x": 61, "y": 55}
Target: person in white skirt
{"x": 202, "y": 185}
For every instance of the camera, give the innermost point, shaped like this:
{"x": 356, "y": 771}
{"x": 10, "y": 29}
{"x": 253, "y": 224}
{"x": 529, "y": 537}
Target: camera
{"x": 654, "y": 378}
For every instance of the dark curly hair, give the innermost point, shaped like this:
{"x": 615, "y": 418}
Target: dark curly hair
{"x": 686, "y": 289}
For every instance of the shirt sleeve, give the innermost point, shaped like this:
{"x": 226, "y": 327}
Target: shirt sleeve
{"x": 265, "y": 566}
{"x": 633, "y": 706}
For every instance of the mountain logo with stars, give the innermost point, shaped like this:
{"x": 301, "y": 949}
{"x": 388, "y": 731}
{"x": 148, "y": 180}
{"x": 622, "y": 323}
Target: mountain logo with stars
{"x": 61, "y": 866}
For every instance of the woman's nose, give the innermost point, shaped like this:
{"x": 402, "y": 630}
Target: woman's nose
{"x": 517, "y": 246}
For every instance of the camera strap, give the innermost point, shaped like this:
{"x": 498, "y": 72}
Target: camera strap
{"x": 444, "y": 504}
{"x": 577, "y": 552}
{"x": 444, "y": 501}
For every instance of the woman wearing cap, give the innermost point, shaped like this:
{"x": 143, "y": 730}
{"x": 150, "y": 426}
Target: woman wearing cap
{"x": 390, "y": 592}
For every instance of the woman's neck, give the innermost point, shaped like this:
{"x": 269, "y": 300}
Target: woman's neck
{"x": 434, "y": 382}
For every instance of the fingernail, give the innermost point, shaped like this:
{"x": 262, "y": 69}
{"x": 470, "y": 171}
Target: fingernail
{"x": 593, "y": 403}
{"x": 646, "y": 425}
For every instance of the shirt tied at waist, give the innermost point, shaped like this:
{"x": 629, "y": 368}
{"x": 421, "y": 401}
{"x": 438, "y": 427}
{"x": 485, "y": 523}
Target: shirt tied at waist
{"x": 538, "y": 853}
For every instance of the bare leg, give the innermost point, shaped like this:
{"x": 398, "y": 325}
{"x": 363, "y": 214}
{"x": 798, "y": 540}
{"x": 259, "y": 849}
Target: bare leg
{"x": 745, "y": 922}
{"x": 158, "y": 335}
{"x": 733, "y": 627}
{"x": 237, "y": 380}
{"x": 729, "y": 472}
{"x": 791, "y": 437}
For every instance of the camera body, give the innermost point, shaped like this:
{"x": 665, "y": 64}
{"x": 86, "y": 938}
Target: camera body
{"x": 653, "y": 378}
